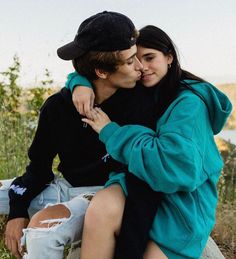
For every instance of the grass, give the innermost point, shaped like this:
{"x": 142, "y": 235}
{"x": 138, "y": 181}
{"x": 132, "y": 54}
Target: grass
{"x": 15, "y": 138}
{"x": 4, "y": 254}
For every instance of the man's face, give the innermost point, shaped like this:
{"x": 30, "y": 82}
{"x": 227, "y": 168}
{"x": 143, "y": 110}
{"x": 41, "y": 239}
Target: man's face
{"x": 128, "y": 73}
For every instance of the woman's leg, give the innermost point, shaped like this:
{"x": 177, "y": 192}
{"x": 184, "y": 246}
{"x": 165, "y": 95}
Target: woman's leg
{"x": 153, "y": 252}
{"x": 102, "y": 223}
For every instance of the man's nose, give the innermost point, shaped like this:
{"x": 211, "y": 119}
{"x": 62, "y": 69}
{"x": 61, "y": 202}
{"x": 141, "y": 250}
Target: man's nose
{"x": 138, "y": 64}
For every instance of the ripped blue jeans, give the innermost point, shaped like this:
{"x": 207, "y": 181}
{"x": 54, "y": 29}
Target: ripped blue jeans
{"x": 49, "y": 243}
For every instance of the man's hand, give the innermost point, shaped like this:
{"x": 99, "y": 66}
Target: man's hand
{"x": 99, "y": 119}
{"x": 13, "y": 234}
{"x": 83, "y": 99}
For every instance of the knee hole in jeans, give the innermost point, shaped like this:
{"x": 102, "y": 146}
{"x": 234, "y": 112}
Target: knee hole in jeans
{"x": 50, "y": 216}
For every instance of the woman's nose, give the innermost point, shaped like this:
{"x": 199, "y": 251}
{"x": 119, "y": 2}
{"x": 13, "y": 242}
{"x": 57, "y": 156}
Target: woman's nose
{"x": 145, "y": 67}
{"x": 138, "y": 64}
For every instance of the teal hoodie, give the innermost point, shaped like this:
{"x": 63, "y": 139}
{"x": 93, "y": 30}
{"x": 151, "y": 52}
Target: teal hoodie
{"x": 179, "y": 159}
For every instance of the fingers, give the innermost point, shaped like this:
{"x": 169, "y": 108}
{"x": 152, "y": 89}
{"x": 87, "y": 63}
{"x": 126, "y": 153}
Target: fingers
{"x": 89, "y": 122}
{"x": 88, "y": 106}
{"x": 13, "y": 245}
{"x": 92, "y": 98}
{"x": 83, "y": 107}
{"x": 13, "y": 234}
{"x": 78, "y": 104}
{"x": 98, "y": 110}
{"x": 101, "y": 112}
{"x": 95, "y": 114}
{"x": 83, "y": 99}
{"x": 87, "y": 110}
{"x": 80, "y": 108}
{"x": 98, "y": 119}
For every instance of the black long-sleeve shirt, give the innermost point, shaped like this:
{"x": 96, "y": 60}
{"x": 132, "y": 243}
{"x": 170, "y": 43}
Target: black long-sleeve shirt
{"x": 83, "y": 158}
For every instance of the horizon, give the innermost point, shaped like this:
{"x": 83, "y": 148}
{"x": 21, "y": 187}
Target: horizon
{"x": 203, "y": 32}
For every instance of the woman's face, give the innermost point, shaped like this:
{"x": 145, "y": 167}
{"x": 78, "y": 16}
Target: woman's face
{"x": 155, "y": 65}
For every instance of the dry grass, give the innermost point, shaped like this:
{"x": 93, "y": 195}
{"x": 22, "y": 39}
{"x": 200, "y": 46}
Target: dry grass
{"x": 230, "y": 91}
{"x": 224, "y": 232}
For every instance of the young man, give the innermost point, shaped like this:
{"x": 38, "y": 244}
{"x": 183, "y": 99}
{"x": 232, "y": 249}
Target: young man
{"x": 104, "y": 51}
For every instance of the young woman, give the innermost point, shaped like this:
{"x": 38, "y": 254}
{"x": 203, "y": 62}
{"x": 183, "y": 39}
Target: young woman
{"x": 179, "y": 159}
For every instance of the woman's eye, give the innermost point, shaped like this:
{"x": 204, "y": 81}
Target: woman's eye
{"x": 148, "y": 58}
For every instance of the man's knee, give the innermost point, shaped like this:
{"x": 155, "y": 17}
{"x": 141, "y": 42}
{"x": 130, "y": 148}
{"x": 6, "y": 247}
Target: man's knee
{"x": 106, "y": 207}
{"x": 49, "y": 216}
{"x": 5, "y": 184}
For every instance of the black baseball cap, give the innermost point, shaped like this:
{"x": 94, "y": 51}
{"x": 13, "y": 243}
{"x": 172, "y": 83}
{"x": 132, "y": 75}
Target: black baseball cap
{"x": 105, "y": 31}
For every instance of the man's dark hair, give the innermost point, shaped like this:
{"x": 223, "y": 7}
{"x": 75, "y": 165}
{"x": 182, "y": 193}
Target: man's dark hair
{"x": 107, "y": 61}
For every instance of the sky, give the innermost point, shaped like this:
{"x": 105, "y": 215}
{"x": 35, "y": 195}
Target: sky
{"x": 203, "y": 31}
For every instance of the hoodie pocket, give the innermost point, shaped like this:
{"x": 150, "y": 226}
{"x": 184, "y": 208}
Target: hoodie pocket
{"x": 171, "y": 229}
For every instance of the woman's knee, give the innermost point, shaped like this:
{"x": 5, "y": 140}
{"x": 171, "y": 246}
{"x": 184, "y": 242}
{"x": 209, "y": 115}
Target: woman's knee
{"x": 106, "y": 208}
{"x": 153, "y": 251}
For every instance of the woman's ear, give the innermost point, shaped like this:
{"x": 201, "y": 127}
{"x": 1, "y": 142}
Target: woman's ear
{"x": 170, "y": 59}
{"x": 101, "y": 73}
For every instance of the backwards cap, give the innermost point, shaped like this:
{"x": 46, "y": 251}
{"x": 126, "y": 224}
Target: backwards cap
{"x": 106, "y": 31}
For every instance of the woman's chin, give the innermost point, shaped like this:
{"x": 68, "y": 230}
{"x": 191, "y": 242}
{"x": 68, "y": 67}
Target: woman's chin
{"x": 148, "y": 84}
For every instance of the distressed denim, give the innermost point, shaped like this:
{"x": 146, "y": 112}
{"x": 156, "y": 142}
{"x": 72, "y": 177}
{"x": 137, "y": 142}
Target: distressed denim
{"x": 48, "y": 243}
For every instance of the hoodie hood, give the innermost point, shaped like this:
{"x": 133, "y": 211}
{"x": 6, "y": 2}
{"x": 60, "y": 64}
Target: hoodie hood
{"x": 218, "y": 104}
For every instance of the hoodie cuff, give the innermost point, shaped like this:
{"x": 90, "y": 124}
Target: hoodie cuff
{"x": 107, "y": 131}
{"x": 74, "y": 79}
{"x": 18, "y": 211}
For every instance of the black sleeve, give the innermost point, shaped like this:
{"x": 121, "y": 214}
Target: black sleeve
{"x": 39, "y": 171}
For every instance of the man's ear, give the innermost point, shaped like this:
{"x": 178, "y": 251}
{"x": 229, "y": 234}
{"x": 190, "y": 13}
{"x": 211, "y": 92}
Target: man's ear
{"x": 101, "y": 73}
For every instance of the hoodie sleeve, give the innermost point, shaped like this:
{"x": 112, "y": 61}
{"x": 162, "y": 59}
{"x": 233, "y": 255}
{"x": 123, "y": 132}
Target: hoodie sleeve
{"x": 168, "y": 160}
{"x": 38, "y": 173}
{"x": 74, "y": 79}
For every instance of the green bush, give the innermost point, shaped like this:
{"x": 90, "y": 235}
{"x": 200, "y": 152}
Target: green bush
{"x": 10, "y": 92}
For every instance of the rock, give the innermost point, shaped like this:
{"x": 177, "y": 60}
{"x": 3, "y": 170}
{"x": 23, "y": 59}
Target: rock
{"x": 212, "y": 251}
{"x": 74, "y": 250}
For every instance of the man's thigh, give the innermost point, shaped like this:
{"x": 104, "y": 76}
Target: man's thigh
{"x": 4, "y": 199}
{"x": 51, "y": 194}
{"x": 56, "y": 192}
{"x": 59, "y": 191}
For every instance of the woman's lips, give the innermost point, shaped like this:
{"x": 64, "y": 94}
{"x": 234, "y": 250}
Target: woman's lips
{"x": 146, "y": 77}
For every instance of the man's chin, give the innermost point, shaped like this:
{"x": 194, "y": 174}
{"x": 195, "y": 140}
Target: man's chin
{"x": 131, "y": 85}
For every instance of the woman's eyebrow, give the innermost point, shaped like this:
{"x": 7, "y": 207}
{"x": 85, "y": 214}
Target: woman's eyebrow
{"x": 147, "y": 54}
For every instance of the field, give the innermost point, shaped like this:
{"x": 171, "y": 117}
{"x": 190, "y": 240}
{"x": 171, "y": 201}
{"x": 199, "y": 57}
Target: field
{"x": 230, "y": 91}
{"x": 18, "y": 120}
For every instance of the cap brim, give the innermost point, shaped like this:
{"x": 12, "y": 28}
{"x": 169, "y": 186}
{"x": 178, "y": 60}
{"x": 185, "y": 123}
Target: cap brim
{"x": 70, "y": 51}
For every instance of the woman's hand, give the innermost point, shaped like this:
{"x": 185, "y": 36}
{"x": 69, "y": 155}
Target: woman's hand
{"x": 98, "y": 121}
{"x": 83, "y": 99}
